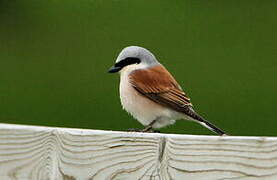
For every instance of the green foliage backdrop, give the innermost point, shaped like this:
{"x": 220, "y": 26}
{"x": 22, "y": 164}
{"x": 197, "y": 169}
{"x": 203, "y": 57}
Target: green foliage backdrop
{"x": 54, "y": 55}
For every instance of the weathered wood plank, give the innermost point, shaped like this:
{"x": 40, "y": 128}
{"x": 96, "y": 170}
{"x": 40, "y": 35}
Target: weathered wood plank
{"x": 31, "y": 152}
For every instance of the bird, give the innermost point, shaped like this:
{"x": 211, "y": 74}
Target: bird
{"x": 151, "y": 94}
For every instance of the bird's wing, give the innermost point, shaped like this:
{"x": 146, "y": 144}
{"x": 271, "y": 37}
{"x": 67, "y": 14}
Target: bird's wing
{"x": 157, "y": 84}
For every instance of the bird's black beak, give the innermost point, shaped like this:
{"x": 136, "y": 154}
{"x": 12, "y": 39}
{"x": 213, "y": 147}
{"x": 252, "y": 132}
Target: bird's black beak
{"x": 114, "y": 69}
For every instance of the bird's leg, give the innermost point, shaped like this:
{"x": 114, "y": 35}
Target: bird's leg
{"x": 148, "y": 128}
{"x": 133, "y": 130}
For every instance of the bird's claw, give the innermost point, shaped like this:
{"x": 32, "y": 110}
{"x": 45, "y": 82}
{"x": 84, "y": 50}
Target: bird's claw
{"x": 143, "y": 130}
{"x": 134, "y": 130}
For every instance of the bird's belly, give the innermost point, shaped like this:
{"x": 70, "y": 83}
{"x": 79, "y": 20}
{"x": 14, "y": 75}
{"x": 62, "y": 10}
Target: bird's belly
{"x": 142, "y": 108}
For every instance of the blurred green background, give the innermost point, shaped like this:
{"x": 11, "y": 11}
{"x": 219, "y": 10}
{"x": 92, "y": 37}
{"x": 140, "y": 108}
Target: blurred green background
{"x": 54, "y": 56}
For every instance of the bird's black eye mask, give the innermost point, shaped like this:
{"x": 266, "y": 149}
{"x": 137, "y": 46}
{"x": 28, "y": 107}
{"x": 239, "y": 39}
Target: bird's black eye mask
{"x": 125, "y": 62}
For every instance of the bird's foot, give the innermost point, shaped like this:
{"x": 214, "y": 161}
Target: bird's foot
{"x": 145, "y": 130}
{"x": 149, "y": 129}
{"x": 134, "y": 130}
{"x": 154, "y": 131}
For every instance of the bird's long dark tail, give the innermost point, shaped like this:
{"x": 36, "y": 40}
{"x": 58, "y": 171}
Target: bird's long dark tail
{"x": 191, "y": 113}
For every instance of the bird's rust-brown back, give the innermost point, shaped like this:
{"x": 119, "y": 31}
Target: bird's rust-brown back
{"x": 157, "y": 84}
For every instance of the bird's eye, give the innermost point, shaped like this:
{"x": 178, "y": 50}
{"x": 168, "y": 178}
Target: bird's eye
{"x": 128, "y": 61}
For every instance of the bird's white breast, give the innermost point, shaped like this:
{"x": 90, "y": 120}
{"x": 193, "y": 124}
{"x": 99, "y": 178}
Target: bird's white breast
{"x": 142, "y": 108}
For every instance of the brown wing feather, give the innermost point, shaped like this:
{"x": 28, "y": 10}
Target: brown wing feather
{"x": 157, "y": 84}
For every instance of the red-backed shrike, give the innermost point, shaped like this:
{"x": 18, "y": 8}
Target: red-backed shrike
{"x": 150, "y": 93}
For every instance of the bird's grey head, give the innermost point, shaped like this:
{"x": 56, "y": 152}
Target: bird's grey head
{"x": 136, "y": 56}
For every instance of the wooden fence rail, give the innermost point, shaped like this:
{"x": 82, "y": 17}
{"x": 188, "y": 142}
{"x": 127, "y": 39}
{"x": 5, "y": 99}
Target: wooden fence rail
{"x": 31, "y": 152}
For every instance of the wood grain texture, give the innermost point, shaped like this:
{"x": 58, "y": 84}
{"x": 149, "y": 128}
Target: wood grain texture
{"x": 31, "y": 152}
